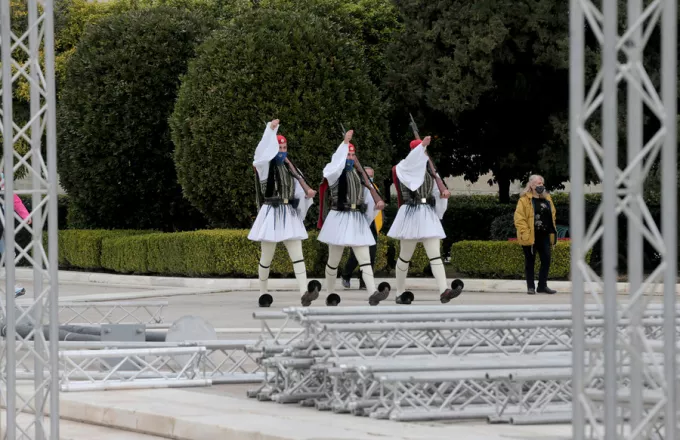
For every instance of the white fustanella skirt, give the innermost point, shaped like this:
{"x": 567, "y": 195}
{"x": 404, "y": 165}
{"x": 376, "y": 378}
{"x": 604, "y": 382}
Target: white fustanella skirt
{"x": 277, "y": 224}
{"x": 346, "y": 228}
{"x": 416, "y": 223}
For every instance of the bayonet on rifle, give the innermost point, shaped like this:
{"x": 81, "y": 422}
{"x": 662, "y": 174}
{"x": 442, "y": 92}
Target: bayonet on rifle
{"x": 414, "y": 127}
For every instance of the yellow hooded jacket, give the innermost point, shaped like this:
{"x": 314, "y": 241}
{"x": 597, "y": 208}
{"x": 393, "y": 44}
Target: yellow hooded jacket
{"x": 524, "y": 220}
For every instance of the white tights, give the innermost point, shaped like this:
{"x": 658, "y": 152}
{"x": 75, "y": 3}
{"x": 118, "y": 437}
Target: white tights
{"x": 363, "y": 258}
{"x": 294, "y": 248}
{"x": 406, "y": 248}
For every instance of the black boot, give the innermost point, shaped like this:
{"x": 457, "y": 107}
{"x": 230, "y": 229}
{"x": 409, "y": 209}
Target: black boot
{"x": 312, "y": 293}
{"x": 452, "y": 293}
{"x": 380, "y": 295}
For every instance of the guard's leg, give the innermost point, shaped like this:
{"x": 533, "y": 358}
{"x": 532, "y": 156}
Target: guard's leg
{"x": 364, "y": 259}
{"x": 432, "y": 248}
{"x": 267, "y": 255}
{"x": 406, "y": 249}
{"x": 334, "y": 256}
{"x": 308, "y": 292}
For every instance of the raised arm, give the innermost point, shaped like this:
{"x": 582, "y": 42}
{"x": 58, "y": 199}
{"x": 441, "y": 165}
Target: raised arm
{"x": 266, "y": 149}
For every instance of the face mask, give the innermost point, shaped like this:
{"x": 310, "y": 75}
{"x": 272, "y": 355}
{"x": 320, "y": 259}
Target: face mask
{"x": 540, "y": 189}
{"x": 281, "y": 157}
{"x": 349, "y": 164}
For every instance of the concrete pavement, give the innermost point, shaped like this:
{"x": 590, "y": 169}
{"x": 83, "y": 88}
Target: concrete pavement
{"x": 186, "y": 415}
{"x": 242, "y": 284}
{"x": 224, "y": 412}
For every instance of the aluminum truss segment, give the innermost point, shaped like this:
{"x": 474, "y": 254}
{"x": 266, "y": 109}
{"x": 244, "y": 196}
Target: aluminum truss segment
{"x": 650, "y": 409}
{"x": 28, "y": 57}
{"x": 111, "y": 312}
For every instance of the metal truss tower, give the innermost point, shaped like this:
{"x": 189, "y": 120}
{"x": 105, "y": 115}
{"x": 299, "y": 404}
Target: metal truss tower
{"x": 29, "y": 143}
{"x": 640, "y": 377}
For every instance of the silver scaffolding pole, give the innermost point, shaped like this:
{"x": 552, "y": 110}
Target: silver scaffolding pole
{"x": 641, "y": 401}
{"x": 28, "y": 57}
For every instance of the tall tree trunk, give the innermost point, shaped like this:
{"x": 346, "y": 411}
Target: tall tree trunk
{"x": 503, "y": 189}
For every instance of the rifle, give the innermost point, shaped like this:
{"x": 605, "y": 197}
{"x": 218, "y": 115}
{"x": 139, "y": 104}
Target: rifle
{"x": 367, "y": 182}
{"x": 297, "y": 175}
{"x": 440, "y": 183}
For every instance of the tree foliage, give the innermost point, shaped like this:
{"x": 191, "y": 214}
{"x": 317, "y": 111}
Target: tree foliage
{"x": 266, "y": 64}
{"x": 73, "y": 16}
{"x": 490, "y": 80}
{"x": 374, "y": 23}
{"x": 120, "y": 85}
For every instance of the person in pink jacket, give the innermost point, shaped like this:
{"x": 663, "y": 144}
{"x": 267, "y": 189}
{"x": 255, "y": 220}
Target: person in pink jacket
{"x": 20, "y": 209}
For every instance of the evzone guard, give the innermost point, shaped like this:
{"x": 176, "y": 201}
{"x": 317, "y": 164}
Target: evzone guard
{"x": 283, "y": 197}
{"x": 348, "y": 203}
{"x": 423, "y": 198}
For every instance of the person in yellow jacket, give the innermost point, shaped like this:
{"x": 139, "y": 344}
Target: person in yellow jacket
{"x": 536, "y": 231}
{"x": 352, "y": 262}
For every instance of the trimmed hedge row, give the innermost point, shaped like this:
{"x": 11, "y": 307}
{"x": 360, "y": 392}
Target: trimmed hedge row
{"x": 196, "y": 253}
{"x": 83, "y": 248}
{"x": 505, "y": 259}
{"x": 218, "y": 252}
{"x": 230, "y": 253}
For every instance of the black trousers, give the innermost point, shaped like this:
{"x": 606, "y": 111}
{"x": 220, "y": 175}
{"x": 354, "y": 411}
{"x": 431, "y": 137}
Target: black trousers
{"x": 352, "y": 262}
{"x": 542, "y": 248}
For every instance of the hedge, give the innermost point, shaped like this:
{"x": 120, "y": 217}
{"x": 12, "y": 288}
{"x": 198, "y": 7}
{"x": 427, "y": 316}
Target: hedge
{"x": 229, "y": 253}
{"x": 202, "y": 253}
{"x": 505, "y": 259}
{"x": 83, "y": 248}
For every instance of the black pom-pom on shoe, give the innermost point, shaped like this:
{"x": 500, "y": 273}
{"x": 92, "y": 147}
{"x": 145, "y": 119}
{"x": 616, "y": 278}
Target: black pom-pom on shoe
{"x": 333, "y": 300}
{"x": 314, "y": 286}
{"x": 457, "y": 287}
{"x": 265, "y": 300}
{"x": 405, "y": 298}
{"x": 311, "y": 294}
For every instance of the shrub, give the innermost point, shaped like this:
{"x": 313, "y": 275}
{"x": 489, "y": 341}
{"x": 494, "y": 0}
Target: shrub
{"x": 374, "y": 22}
{"x": 126, "y": 254}
{"x": 83, "y": 248}
{"x": 504, "y": 259}
{"x": 71, "y": 17}
{"x": 198, "y": 253}
{"x": 268, "y": 64}
{"x": 120, "y": 86}
{"x": 470, "y": 217}
{"x": 503, "y": 227}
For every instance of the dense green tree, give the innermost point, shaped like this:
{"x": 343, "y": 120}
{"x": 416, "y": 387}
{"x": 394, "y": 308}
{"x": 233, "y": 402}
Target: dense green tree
{"x": 120, "y": 86}
{"x": 295, "y": 66}
{"x": 373, "y": 22}
{"x": 490, "y": 80}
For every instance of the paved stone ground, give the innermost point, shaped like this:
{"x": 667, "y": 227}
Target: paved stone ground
{"x": 234, "y": 309}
